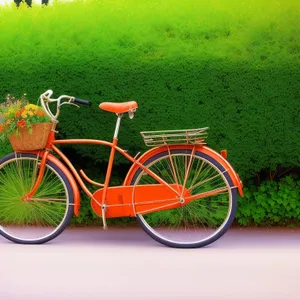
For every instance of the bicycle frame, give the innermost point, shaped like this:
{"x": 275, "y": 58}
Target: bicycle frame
{"x": 177, "y": 190}
{"x": 113, "y": 145}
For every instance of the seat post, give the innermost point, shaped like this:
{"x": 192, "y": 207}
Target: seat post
{"x": 118, "y": 125}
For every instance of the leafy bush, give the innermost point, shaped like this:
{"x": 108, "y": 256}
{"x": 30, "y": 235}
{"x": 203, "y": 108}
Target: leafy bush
{"x": 272, "y": 203}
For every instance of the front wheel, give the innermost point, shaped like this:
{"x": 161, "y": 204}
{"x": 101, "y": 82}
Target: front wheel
{"x": 46, "y": 214}
{"x": 195, "y": 223}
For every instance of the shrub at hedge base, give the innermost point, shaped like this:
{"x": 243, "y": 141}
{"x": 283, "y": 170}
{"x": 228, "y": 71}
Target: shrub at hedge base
{"x": 232, "y": 66}
{"x": 273, "y": 203}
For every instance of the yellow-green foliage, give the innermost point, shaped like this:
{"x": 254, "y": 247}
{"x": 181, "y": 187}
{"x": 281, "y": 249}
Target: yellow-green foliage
{"x": 228, "y": 64}
{"x": 222, "y": 29}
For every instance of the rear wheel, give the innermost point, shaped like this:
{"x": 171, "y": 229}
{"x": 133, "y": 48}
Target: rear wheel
{"x": 46, "y": 214}
{"x": 198, "y": 222}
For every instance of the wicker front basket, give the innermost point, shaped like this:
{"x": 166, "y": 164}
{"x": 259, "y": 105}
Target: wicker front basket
{"x": 31, "y": 141}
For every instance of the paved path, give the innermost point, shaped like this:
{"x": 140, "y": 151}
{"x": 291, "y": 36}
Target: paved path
{"x": 126, "y": 264}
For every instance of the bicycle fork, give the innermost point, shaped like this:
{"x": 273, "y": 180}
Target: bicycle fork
{"x": 39, "y": 177}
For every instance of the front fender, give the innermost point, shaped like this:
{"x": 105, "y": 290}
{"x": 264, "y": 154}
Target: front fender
{"x": 68, "y": 174}
{"x": 206, "y": 150}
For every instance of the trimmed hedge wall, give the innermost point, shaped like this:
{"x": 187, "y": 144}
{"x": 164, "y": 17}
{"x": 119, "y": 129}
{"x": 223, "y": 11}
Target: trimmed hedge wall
{"x": 229, "y": 65}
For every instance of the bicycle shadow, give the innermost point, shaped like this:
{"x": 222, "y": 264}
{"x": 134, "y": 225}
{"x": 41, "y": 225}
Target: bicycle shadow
{"x": 99, "y": 237}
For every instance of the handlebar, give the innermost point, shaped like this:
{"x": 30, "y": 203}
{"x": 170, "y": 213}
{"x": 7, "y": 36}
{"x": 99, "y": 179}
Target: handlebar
{"x": 46, "y": 99}
{"x": 84, "y": 102}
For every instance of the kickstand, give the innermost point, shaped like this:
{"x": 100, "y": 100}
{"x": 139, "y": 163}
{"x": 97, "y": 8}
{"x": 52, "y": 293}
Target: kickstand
{"x": 103, "y": 208}
{"x": 103, "y": 218}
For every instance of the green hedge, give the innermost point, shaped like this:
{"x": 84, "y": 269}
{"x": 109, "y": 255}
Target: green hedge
{"x": 229, "y": 65}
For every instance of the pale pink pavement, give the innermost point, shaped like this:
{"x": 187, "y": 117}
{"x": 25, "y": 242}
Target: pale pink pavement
{"x": 127, "y": 264}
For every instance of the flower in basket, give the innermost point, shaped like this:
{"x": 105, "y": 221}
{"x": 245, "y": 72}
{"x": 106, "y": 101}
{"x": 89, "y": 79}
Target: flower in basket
{"x": 19, "y": 118}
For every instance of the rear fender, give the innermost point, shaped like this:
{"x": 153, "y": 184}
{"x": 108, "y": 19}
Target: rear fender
{"x": 203, "y": 149}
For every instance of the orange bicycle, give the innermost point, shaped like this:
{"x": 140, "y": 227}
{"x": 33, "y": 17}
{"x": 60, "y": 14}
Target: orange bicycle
{"x": 182, "y": 193}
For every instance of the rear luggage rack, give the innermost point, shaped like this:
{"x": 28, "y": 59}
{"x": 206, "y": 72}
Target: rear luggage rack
{"x": 185, "y": 136}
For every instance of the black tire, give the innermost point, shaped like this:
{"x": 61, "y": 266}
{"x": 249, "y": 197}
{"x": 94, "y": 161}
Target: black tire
{"x": 67, "y": 209}
{"x": 171, "y": 242}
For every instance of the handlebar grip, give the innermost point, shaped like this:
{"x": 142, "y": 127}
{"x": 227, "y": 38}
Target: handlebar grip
{"x": 80, "y": 101}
